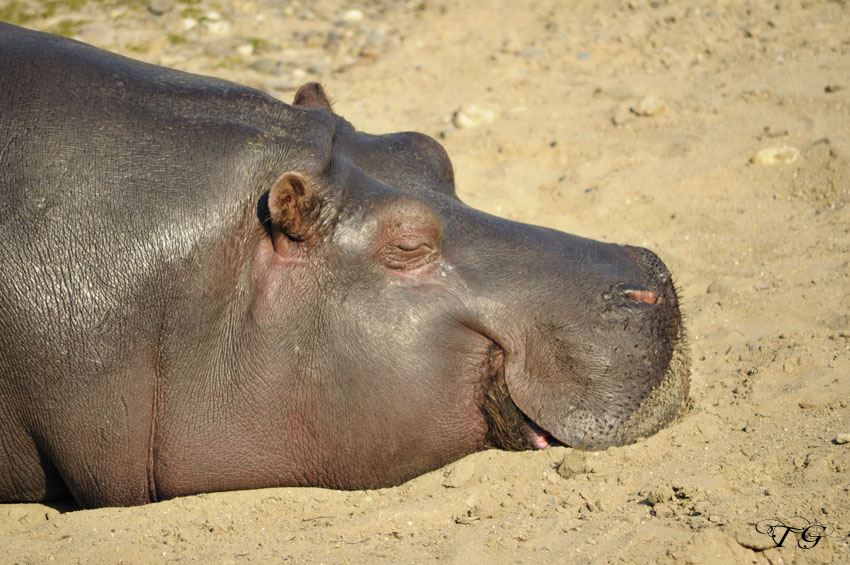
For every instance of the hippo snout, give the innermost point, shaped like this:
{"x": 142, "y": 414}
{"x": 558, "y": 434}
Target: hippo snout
{"x": 596, "y": 374}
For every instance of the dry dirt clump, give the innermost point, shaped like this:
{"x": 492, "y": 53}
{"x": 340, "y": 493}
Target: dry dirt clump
{"x": 716, "y": 134}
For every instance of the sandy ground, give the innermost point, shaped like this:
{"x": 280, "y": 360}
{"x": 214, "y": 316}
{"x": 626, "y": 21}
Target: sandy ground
{"x": 719, "y": 137}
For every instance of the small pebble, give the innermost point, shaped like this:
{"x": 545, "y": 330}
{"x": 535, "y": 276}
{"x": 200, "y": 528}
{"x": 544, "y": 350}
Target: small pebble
{"x": 369, "y": 52}
{"x": 160, "y": 7}
{"x": 220, "y": 27}
{"x": 649, "y": 105}
{"x": 472, "y": 116}
{"x": 319, "y": 68}
{"x": 264, "y": 65}
{"x": 245, "y": 50}
{"x": 353, "y": 16}
{"x": 780, "y": 154}
{"x": 841, "y": 439}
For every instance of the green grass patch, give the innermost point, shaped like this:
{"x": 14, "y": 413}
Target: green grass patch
{"x": 227, "y": 62}
{"x": 52, "y": 7}
{"x": 68, "y": 28}
{"x": 17, "y": 13}
{"x": 192, "y": 12}
{"x": 258, "y": 43}
{"x": 136, "y": 47}
{"x": 21, "y": 13}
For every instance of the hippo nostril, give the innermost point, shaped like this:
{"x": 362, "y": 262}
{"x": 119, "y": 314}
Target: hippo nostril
{"x": 629, "y": 293}
{"x": 642, "y": 295}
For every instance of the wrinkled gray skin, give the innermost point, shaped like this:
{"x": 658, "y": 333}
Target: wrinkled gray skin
{"x": 206, "y": 289}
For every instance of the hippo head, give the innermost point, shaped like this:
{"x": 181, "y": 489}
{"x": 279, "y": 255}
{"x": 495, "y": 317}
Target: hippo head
{"x": 417, "y": 330}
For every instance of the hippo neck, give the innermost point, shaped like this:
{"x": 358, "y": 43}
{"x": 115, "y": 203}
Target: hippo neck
{"x": 223, "y": 372}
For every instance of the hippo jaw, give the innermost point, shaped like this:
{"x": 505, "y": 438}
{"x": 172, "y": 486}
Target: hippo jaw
{"x": 510, "y": 428}
{"x": 610, "y": 404}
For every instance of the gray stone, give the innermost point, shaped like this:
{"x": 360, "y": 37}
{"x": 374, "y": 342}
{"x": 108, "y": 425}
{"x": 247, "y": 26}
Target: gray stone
{"x": 319, "y": 68}
{"x": 160, "y": 7}
{"x": 265, "y": 65}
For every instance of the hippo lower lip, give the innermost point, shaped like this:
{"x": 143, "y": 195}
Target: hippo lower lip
{"x": 508, "y": 426}
{"x": 646, "y": 418}
{"x": 540, "y": 438}
{"x": 532, "y": 436}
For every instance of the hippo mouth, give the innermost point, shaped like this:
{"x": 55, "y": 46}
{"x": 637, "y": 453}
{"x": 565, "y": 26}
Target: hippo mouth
{"x": 511, "y": 429}
{"x": 508, "y": 427}
{"x": 540, "y": 438}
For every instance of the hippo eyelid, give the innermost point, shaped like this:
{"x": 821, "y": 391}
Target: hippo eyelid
{"x": 401, "y": 256}
{"x": 409, "y": 245}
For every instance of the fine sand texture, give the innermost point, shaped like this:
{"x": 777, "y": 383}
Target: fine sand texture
{"x": 716, "y": 134}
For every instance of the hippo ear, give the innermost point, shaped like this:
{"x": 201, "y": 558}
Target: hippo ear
{"x": 293, "y": 207}
{"x": 312, "y": 94}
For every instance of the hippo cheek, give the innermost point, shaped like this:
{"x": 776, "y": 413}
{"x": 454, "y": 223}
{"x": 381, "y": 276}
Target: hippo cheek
{"x": 595, "y": 395}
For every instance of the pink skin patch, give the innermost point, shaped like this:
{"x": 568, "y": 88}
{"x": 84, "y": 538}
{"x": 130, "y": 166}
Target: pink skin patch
{"x": 646, "y": 296}
{"x": 541, "y": 440}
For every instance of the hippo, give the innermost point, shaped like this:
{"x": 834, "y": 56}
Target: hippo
{"x": 205, "y": 289}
